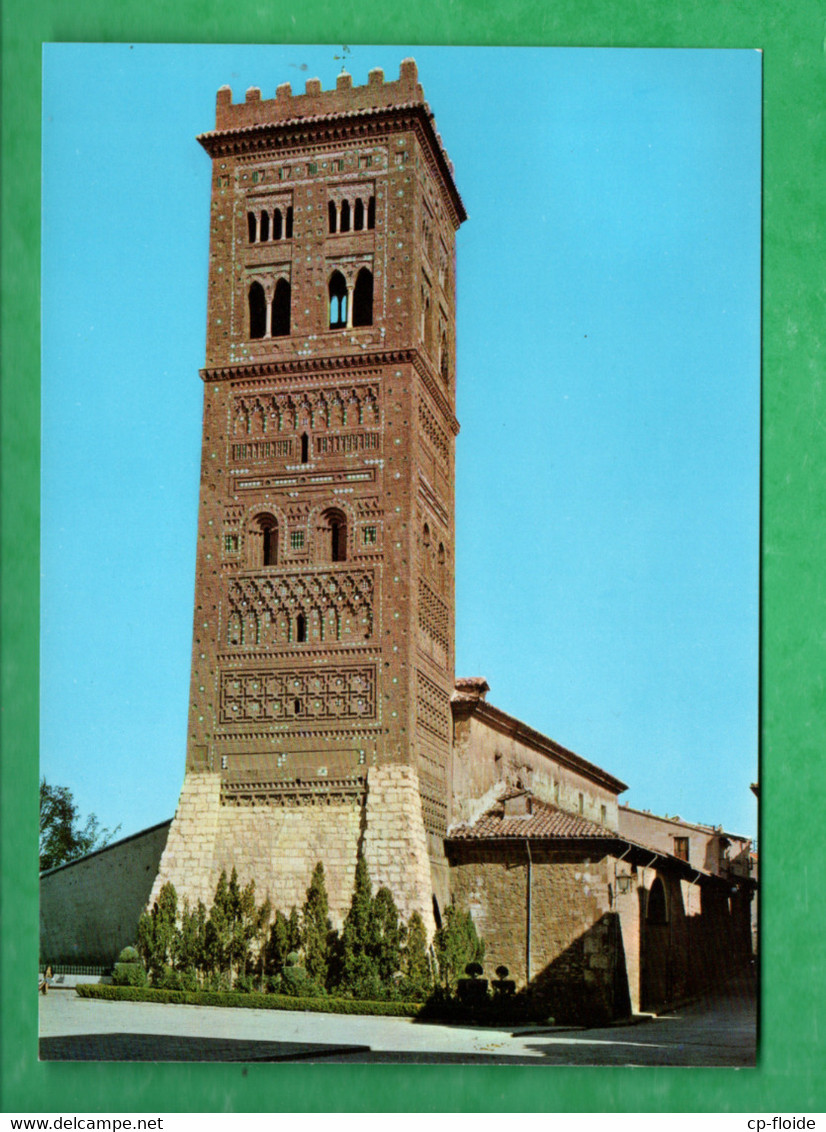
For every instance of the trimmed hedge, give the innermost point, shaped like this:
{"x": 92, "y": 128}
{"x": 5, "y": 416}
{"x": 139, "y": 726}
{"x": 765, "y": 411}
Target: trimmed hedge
{"x": 253, "y": 1000}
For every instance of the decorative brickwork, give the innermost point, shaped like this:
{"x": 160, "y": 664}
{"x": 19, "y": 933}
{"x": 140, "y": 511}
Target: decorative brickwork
{"x": 323, "y": 648}
{"x": 434, "y": 615}
{"x": 336, "y": 605}
{"x": 298, "y": 693}
{"x": 432, "y": 707}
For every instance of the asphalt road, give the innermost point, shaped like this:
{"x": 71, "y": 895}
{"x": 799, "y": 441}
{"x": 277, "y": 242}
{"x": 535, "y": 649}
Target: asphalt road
{"x": 716, "y": 1031}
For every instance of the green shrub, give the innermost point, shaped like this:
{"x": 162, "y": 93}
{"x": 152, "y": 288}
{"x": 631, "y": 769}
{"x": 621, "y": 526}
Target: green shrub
{"x": 167, "y": 978}
{"x": 189, "y": 980}
{"x": 297, "y": 983}
{"x": 256, "y": 1001}
{"x": 457, "y": 944}
{"x": 217, "y": 981}
{"x": 417, "y": 981}
{"x": 129, "y": 975}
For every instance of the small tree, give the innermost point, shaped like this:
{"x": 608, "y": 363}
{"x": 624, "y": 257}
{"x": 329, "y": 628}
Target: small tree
{"x": 317, "y": 929}
{"x": 284, "y": 937}
{"x": 234, "y": 926}
{"x": 358, "y": 971}
{"x": 218, "y": 929}
{"x": 158, "y": 937}
{"x": 457, "y": 944}
{"x": 418, "y": 980}
{"x": 192, "y": 959}
{"x": 387, "y": 934}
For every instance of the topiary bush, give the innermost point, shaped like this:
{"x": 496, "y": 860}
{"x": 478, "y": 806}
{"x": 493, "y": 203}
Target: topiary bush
{"x": 503, "y": 987}
{"x": 472, "y": 991}
{"x": 129, "y": 971}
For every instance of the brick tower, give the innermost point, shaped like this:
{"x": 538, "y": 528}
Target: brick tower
{"x": 323, "y": 650}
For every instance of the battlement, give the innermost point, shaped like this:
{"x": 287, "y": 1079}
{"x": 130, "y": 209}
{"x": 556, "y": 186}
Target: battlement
{"x": 317, "y": 107}
{"x": 315, "y": 102}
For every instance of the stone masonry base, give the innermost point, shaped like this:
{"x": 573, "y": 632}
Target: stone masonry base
{"x": 279, "y": 846}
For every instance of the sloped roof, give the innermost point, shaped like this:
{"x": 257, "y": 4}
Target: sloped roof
{"x": 543, "y": 822}
{"x": 550, "y": 825}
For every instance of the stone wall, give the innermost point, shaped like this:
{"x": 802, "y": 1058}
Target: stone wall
{"x": 576, "y": 960}
{"x": 279, "y": 845}
{"x": 492, "y": 751}
{"x": 89, "y": 910}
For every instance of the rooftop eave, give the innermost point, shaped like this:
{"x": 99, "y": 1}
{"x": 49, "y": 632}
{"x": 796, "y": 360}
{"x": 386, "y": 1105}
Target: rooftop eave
{"x": 612, "y": 845}
{"x": 372, "y": 120}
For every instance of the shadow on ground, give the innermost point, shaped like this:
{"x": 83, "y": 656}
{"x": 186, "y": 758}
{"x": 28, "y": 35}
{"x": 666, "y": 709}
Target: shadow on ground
{"x": 166, "y": 1047}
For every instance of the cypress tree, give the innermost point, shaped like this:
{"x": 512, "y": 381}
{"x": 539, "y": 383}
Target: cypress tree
{"x": 358, "y": 971}
{"x": 387, "y": 934}
{"x": 158, "y": 936}
{"x": 457, "y": 943}
{"x": 317, "y": 929}
{"x": 418, "y": 980}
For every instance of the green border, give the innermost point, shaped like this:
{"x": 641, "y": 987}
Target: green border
{"x": 790, "y": 1076}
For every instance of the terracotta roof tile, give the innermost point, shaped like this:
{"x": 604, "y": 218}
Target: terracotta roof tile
{"x": 545, "y": 821}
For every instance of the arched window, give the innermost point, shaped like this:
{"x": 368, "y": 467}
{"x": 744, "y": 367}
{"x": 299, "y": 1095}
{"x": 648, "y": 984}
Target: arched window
{"x": 331, "y": 215}
{"x": 358, "y": 215}
{"x": 441, "y": 554}
{"x": 371, "y": 213}
{"x": 305, "y": 448}
{"x": 251, "y": 226}
{"x": 289, "y": 233}
{"x": 277, "y": 225}
{"x": 443, "y": 361}
{"x": 363, "y": 299}
{"x": 426, "y": 535}
{"x": 338, "y": 301}
{"x": 425, "y": 317}
{"x": 281, "y": 309}
{"x": 258, "y": 311}
{"x": 265, "y": 225}
{"x": 344, "y": 225}
{"x": 263, "y": 541}
{"x": 657, "y": 911}
{"x": 301, "y": 628}
{"x": 336, "y": 526}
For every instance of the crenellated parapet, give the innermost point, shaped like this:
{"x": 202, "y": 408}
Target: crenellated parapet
{"x": 317, "y": 116}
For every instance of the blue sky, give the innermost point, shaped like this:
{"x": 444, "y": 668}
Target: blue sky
{"x": 608, "y": 393}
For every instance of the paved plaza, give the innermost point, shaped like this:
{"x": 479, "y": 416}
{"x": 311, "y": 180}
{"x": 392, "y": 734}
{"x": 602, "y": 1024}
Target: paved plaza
{"x": 717, "y": 1031}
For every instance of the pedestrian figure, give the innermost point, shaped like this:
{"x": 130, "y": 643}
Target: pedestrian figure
{"x": 47, "y": 978}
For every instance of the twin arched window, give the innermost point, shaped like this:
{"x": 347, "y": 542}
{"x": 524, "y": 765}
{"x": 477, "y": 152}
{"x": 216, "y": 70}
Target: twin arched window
{"x": 348, "y": 306}
{"x": 351, "y": 306}
{"x": 269, "y": 320}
